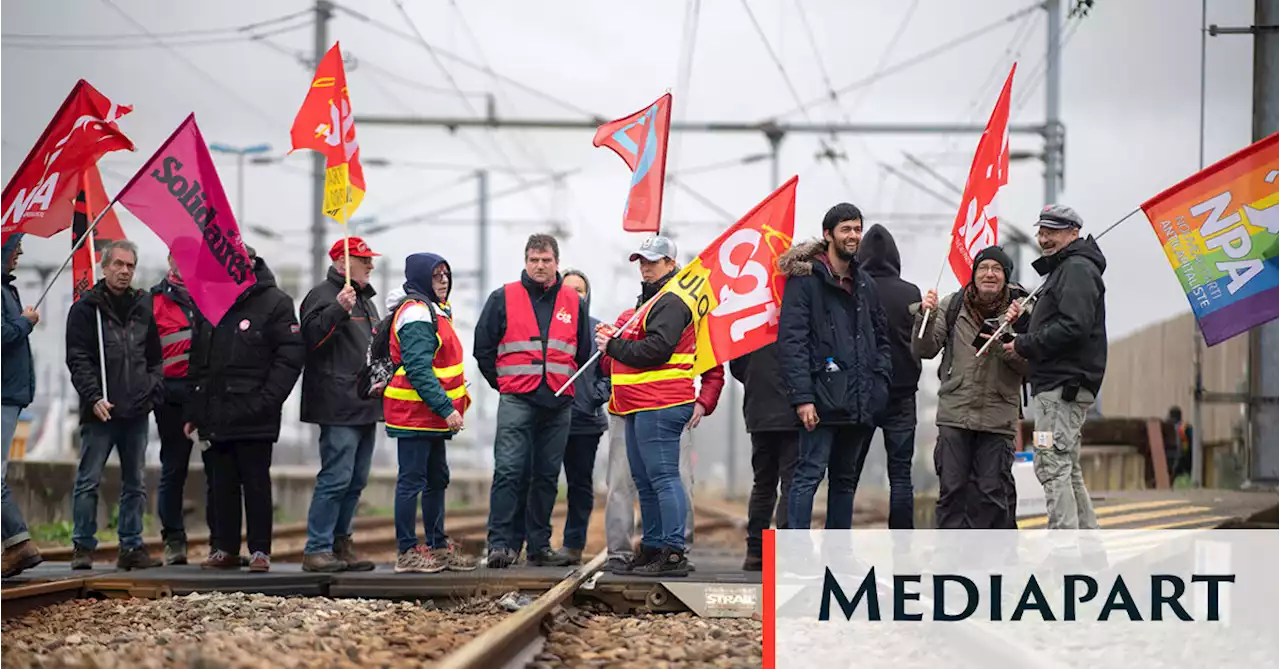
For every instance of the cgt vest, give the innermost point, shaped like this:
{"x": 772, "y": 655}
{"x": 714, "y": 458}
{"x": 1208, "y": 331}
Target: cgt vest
{"x": 667, "y": 385}
{"x": 173, "y": 321}
{"x": 524, "y": 356}
{"x": 402, "y": 406}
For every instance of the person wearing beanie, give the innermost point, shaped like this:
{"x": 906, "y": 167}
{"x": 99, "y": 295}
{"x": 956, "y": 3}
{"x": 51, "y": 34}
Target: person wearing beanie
{"x": 20, "y": 553}
{"x": 978, "y": 402}
{"x": 878, "y": 255}
{"x": 835, "y": 355}
{"x": 338, "y": 319}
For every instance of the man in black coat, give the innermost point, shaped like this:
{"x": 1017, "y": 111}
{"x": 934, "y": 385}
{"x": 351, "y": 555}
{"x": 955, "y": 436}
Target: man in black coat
{"x": 833, "y": 345}
{"x": 878, "y": 256}
{"x": 775, "y": 437}
{"x": 244, "y": 368}
{"x": 338, "y": 320}
{"x": 114, "y": 416}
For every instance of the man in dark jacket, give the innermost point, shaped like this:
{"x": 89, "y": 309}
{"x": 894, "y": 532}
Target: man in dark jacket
{"x": 244, "y": 368}
{"x": 1066, "y": 348}
{"x": 775, "y": 436}
{"x": 338, "y": 320}
{"x": 531, "y": 337}
{"x": 20, "y": 553}
{"x": 114, "y": 416}
{"x": 833, "y": 344}
{"x": 878, "y": 256}
{"x": 176, "y": 319}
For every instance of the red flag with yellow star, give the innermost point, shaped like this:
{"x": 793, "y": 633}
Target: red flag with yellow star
{"x": 325, "y": 123}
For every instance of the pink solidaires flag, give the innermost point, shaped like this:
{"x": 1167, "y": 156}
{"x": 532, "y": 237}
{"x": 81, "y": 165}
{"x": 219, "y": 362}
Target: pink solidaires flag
{"x": 641, "y": 141}
{"x": 178, "y": 195}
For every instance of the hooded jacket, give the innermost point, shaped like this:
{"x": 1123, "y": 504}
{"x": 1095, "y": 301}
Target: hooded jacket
{"x": 245, "y": 366}
{"x": 337, "y": 343}
{"x": 19, "y": 384}
{"x": 765, "y": 406}
{"x": 1066, "y": 341}
{"x": 591, "y": 389}
{"x": 821, "y": 319}
{"x": 135, "y": 374}
{"x": 878, "y": 256}
{"x": 417, "y": 333}
{"x": 492, "y": 325}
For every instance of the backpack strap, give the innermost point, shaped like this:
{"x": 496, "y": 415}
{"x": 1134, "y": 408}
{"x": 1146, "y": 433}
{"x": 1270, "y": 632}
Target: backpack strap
{"x": 953, "y": 313}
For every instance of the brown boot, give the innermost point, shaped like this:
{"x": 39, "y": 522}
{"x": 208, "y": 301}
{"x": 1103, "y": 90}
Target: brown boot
{"x": 20, "y": 557}
{"x": 345, "y": 549}
{"x": 220, "y": 559}
{"x": 325, "y": 563}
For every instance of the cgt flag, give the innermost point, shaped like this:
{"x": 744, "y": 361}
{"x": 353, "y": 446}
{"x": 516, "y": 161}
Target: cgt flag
{"x": 89, "y": 203}
{"x": 40, "y": 197}
{"x": 733, "y": 287}
{"x": 977, "y": 224}
{"x": 325, "y": 124}
{"x": 641, "y": 140}
{"x": 1218, "y": 228}
{"x": 178, "y": 195}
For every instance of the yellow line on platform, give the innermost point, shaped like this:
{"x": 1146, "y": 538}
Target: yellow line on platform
{"x": 1102, "y": 511}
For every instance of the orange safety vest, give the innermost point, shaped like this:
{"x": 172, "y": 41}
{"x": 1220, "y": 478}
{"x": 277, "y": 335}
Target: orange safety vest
{"x": 667, "y": 385}
{"x": 174, "y": 326}
{"x": 402, "y": 406}
{"x": 525, "y": 357}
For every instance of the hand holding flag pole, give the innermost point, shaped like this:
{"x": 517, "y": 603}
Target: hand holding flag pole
{"x": 596, "y": 356}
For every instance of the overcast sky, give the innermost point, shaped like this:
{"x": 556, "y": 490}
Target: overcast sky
{"x": 1130, "y": 90}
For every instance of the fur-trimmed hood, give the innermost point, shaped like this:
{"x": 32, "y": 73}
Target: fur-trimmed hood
{"x": 799, "y": 259}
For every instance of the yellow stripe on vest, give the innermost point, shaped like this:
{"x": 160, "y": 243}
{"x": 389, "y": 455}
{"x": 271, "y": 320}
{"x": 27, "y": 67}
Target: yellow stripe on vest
{"x": 649, "y": 377}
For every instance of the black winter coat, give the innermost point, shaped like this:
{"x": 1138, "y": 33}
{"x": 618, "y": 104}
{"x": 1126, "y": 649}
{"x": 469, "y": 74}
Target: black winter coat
{"x": 492, "y": 325}
{"x": 244, "y": 367}
{"x": 765, "y": 406}
{"x": 590, "y": 394}
{"x": 878, "y": 256}
{"x": 1066, "y": 340}
{"x": 135, "y": 374}
{"x": 820, "y": 320}
{"x": 337, "y": 343}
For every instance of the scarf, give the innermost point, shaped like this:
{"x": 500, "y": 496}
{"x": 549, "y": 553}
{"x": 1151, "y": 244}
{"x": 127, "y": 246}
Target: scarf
{"x": 176, "y": 279}
{"x": 983, "y": 308}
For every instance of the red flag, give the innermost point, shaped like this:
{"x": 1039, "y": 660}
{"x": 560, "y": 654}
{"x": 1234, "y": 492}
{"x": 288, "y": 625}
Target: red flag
{"x": 977, "y": 224}
{"x": 89, "y": 203}
{"x": 733, "y": 287}
{"x": 40, "y": 198}
{"x": 641, "y": 140}
{"x": 326, "y": 124}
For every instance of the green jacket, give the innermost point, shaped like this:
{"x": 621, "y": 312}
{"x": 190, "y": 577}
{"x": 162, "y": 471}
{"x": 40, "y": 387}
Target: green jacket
{"x": 979, "y": 394}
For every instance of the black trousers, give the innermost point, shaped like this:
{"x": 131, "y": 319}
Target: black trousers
{"x": 175, "y": 456}
{"x": 975, "y": 480}
{"x": 773, "y": 461}
{"x": 233, "y": 467}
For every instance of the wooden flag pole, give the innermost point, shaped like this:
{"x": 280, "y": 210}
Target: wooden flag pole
{"x": 346, "y": 238}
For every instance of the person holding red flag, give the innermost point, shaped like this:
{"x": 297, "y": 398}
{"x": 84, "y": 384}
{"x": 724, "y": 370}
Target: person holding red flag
{"x": 20, "y": 553}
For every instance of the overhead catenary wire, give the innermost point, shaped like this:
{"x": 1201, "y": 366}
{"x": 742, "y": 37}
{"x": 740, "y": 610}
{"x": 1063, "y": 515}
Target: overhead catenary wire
{"x": 176, "y": 34}
{"x": 50, "y": 45}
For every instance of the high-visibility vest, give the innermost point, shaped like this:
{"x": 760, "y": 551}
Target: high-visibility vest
{"x": 402, "y": 406}
{"x": 525, "y": 357}
{"x": 174, "y": 325}
{"x": 667, "y": 385}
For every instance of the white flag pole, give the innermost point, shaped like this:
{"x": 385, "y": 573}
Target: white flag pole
{"x": 936, "y": 282}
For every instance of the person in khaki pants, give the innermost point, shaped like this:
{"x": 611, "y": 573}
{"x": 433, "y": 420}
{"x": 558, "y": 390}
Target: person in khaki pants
{"x": 1066, "y": 351}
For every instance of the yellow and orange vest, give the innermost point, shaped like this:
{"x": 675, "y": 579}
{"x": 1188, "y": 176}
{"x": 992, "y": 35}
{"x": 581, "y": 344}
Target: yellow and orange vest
{"x": 402, "y": 407}
{"x": 667, "y": 385}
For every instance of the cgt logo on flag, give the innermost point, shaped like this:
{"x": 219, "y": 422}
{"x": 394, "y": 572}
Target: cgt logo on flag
{"x": 641, "y": 141}
{"x": 326, "y": 124}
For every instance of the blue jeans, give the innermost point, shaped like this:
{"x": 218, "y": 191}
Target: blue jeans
{"x": 653, "y": 451}
{"x": 15, "y": 528}
{"x": 129, "y": 437}
{"x": 836, "y": 448}
{"x": 579, "y": 463}
{"x": 528, "y": 451}
{"x": 346, "y": 452}
{"x": 898, "y": 424}
{"x": 424, "y": 471}
{"x": 175, "y": 458}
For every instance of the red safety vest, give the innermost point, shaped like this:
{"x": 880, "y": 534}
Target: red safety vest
{"x": 667, "y": 385}
{"x": 402, "y": 406}
{"x": 524, "y": 356}
{"x": 175, "y": 335}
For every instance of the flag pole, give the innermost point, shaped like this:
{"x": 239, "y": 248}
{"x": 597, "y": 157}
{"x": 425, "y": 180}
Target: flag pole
{"x": 936, "y": 282}
{"x": 596, "y": 356}
{"x": 79, "y": 242}
{"x": 93, "y": 280}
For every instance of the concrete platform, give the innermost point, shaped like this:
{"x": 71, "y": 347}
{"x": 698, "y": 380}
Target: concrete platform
{"x": 58, "y": 571}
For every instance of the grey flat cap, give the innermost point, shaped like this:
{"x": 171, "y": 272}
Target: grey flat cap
{"x": 655, "y": 248}
{"x": 1059, "y": 217}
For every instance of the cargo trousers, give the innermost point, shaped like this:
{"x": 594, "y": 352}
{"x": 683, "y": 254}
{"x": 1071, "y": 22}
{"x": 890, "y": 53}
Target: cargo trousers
{"x": 1057, "y": 459}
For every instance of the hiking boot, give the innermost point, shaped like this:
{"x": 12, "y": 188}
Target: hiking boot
{"x": 453, "y": 559}
{"x": 136, "y": 558}
{"x": 219, "y": 559}
{"x": 410, "y": 562}
{"x": 617, "y": 565}
{"x": 500, "y": 558}
{"x": 345, "y": 550}
{"x": 628, "y": 565}
{"x": 259, "y": 563}
{"x": 573, "y": 554}
{"x": 81, "y": 557}
{"x": 20, "y": 557}
{"x": 753, "y": 563}
{"x": 670, "y": 562}
{"x": 175, "y": 551}
{"x": 548, "y": 558}
{"x": 325, "y": 563}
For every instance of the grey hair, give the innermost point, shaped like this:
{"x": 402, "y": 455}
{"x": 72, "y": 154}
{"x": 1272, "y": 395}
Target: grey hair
{"x": 123, "y": 245}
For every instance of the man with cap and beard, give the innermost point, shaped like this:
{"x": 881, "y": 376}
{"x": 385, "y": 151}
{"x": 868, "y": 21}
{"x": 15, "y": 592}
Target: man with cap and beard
{"x": 978, "y": 402}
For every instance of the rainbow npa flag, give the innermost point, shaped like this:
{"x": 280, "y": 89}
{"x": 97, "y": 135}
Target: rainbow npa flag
{"x": 1219, "y": 232}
